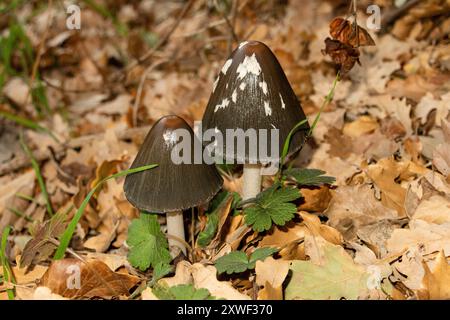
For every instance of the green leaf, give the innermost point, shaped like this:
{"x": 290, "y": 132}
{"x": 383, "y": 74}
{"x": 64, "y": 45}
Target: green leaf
{"x": 260, "y": 254}
{"x": 337, "y": 277}
{"x": 161, "y": 270}
{"x": 237, "y": 261}
{"x": 234, "y": 262}
{"x": 309, "y": 177}
{"x": 148, "y": 245}
{"x": 67, "y": 235}
{"x": 272, "y": 206}
{"x": 181, "y": 292}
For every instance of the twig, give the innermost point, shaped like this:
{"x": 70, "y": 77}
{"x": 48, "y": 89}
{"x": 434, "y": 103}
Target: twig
{"x": 233, "y": 36}
{"x": 22, "y": 161}
{"x": 163, "y": 41}
{"x": 393, "y": 15}
{"x": 137, "y": 100}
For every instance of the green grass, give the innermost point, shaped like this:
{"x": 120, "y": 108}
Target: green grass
{"x": 17, "y": 43}
{"x": 8, "y": 276}
{"x": 27, "y": 123}
{"x": 39, "y": 177}
{"x": 68, "y": 233}
{"x": 287, "y": 142}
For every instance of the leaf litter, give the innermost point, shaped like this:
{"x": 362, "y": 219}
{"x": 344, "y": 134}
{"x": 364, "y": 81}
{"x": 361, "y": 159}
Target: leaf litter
{"x": 362, "y": 214}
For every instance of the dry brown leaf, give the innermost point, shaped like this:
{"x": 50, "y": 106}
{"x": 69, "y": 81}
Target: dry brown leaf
{"x": 95, "y": 279}
{"x": 206, "y": 277}
{"x": 315, "y": 199}
{"x": 424, "y": 236}
{"x": 265, "y": 272}
{"x": 384, "y": 174}
{"x": 361, "y": 126}
{"x": 437, "y": 282}
{"x": 182, "y": 275}
{"x": 270, "y": 293}
{"x": 350, "y": 33}
{"x": 316, "y": 228}
{"x": 353, "y": 207}
{"x": 436, "y": 210}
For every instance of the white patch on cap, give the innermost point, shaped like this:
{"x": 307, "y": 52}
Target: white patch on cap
{"x": 243, "y": 43}
{"x": 215, "y": 83}
{"x": 263, "y": 86}
{"x": 226, "y": 66}
{"x": 249, "y": 65}
{"x": 170, "y": 138}
{"x": 273, "y": 126}
{"x": 234, "y": 96}
{"x": 223, "y": 105}
{"x": 242, "y": 86}
{"x": 267, "y": 108}
{"x": 282, "y": 102}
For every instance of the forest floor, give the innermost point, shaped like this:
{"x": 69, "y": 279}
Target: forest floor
{"x": 79, "y": 103}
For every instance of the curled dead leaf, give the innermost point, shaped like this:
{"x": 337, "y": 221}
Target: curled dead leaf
{"x": 73, "y": 278}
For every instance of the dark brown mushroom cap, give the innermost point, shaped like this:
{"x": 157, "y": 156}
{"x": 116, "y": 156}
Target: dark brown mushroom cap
{"x": 252, "y": 91}
{"x": 169, "y": 187}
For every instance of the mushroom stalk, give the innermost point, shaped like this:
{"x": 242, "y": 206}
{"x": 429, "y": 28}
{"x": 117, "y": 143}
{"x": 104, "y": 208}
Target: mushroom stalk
{"x": 175, "y": 227}
{"x": 251, "y": 181}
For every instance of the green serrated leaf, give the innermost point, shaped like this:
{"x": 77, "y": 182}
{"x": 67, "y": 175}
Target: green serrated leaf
{"x": 260, "y": 254}
{"x": 160, "y": 270}
{"x": 234, "y": 262}
{"x": 272, "y": 206}
{"x": 309, "y": 177}
{"x": 148, "y": 245}
{"x": 237, "y": 261}
{"x": 181, "y": 292}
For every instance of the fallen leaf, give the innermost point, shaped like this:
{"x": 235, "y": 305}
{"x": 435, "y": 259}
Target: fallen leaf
{"x": 338, "y": 277}
{"x": 437, "y": 282}
{"x": 361, "y": 126}
{"x": 73, "y": 278}
{"x": 424, "y": 236}
{"x": 271, "y": 274}
{"x": 205, "y": 277}
{"x": 353, "y": 207}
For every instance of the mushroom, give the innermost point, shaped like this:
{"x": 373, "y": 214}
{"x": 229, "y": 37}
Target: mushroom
{"x": 252, "y": 92}
{"x": 172, "y": 186}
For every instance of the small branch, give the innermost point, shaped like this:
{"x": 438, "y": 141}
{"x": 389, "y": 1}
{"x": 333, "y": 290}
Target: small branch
{"x": 391, "y": 16}
{"x": 137, "y": 100}
{"x": 164, "y": 40}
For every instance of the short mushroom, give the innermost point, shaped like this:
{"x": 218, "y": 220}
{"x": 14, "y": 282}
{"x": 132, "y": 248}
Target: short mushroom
{"x": 170, "y": 188}
{"x": 252, "y": 92}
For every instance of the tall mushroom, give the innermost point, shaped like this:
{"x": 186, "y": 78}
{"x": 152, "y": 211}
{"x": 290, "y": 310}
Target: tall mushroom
{"x": 252, "y": 92}
{"x": 172, "y": 186}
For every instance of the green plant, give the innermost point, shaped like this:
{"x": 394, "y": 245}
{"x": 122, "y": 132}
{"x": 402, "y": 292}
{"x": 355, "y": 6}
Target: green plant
{"x": 273, "y": 205}
{"x": 8, "y": 276}
{"x": 148, "y": 245}
{"x": 237, "y": 261}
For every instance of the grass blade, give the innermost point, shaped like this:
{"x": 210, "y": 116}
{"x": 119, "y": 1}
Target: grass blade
{"x": 67, "y": 235}
{"x": 39, "y": 177}
{"x": 7, "y": 272}
{"x": 327, "y": 100}
{"x": 30, "y": 124}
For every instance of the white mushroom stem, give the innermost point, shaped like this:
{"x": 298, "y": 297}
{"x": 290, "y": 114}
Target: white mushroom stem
{"x": 251, "y": 181}
{"x": 175, "y": 227}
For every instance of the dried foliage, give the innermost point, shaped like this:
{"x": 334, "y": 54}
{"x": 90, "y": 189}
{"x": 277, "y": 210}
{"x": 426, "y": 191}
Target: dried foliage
{"x": 84, "y": 99}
